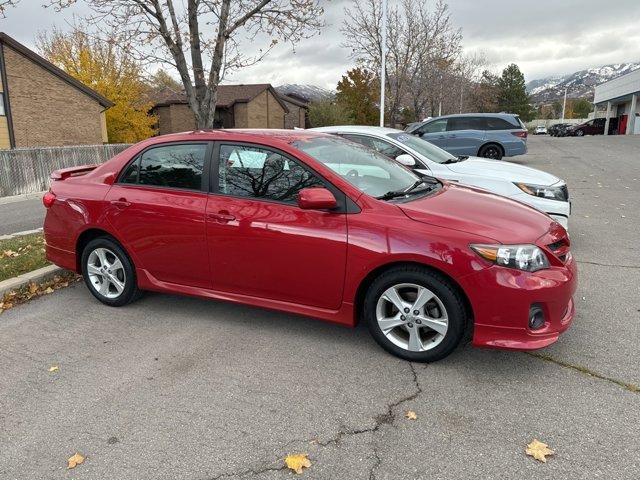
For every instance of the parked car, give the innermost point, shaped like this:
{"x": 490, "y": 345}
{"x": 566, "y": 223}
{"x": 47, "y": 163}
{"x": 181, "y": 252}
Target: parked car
{"x": 593, "y": 127}
{"x": 540, "y": 130}
{"x": 489, "y": 135}
{"x": 558, "y": 129}
{"x": 313, "y": 224}
{"x": 539, "y": 189}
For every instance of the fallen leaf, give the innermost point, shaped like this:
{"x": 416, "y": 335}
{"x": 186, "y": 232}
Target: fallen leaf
{"x": 539, "y": 450}
{"x": 54, "y": 368}
{"x": 33, "y": 288}
{"x": 49, "y": 290}
{"x": 297, "y": 462}
{"x": 75, "y": 460}
{"x": 411, "y": 415}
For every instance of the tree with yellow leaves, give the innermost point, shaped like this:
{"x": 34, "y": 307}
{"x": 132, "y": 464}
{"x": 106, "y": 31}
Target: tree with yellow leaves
{"x": 106, "y": 67}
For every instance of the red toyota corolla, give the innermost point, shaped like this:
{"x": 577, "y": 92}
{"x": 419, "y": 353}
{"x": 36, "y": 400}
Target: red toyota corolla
{"x": 313, "y": 224}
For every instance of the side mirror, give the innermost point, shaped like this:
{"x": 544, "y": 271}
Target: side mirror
{"x": 406, "y": 160}
{"x": 316, "y": 198}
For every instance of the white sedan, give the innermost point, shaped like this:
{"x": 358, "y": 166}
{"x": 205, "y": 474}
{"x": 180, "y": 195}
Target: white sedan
{"x": 539, "y": 189}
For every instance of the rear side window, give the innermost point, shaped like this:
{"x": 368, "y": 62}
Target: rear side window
{"x": 495, "y": 123}
{"x": 248, "y": 171}
{"x": 466, "y": 123}
{"x": 385, "y": 148}
{"x": 172, "y": 166}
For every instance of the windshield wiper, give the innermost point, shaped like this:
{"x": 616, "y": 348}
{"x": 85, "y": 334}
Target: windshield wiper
{"x": 462, "y": 158}
{"x": 406, "y": 191}
{"x": 450, "y": 160}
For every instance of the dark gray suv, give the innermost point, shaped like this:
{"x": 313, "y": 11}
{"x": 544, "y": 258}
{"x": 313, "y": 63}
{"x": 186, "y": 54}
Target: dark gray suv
{"x": 490, "y": 135}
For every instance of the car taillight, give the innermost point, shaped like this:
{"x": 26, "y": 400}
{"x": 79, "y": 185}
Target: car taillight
{"x": 48, "y": 199}
{"x": 522, "y": 134}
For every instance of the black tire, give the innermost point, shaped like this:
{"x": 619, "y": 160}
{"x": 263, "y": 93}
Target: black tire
{"x": 437, "y": 284}
{"x": 130, "y": 292}
{"x": 491, "y": 150}
{"x": 579, "y": 133}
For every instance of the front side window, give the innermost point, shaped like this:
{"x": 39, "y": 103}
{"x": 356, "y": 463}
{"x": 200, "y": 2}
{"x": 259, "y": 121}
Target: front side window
{"x": 172, "y": 166}
{"x": 364, "y": 168}
{"x": 436, "y": 126}
{"x": 248, "y": 171}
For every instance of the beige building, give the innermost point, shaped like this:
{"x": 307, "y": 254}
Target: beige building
{"x": 40, "y": 105}
{"x": 238, "y": 106}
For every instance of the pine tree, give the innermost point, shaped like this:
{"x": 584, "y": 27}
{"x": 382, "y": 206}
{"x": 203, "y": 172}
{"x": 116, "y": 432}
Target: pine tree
{"x": 512, "y": 93}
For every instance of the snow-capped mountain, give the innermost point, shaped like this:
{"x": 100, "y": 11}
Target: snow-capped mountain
{"x": 579, "y": 84}
{"x": 309, "y": 92}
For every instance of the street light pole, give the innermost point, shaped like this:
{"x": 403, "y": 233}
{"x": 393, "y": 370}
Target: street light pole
{"x": 383, "y": 69}
{"x": 564, "y": 104}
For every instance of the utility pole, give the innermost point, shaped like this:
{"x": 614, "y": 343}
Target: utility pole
{"x": 564, "y": 105}
{"x": 383, "y": 69}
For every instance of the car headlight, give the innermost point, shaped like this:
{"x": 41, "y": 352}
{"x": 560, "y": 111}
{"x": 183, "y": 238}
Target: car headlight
{"x": 521, "y": 257}
{"x": 560, "y": 193}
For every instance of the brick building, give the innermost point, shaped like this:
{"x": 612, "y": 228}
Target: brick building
{"x": 40, "y": 105}
{"x": 238, "y": 106}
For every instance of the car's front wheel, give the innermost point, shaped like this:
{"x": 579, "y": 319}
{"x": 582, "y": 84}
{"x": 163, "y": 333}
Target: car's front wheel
{"x": 579, "y": 133}
{"x": 108, "y": 272}
{"x": 415, "y": 314}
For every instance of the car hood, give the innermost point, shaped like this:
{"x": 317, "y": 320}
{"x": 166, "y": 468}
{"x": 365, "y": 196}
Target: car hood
{"x": 479, "y": 212}
{"x": 502, "y": 170}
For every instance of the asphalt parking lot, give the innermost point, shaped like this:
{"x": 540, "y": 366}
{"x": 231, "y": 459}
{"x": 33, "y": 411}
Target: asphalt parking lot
{"x": 181, "y": 388}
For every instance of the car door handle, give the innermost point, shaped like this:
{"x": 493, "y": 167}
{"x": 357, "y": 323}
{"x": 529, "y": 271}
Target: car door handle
{"x": 221, "y": 217}
{"x": 121, "y": 203}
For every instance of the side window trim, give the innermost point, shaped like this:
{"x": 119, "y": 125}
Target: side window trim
{"x": 345, "y": 204}
{"x": 206, "y": 169}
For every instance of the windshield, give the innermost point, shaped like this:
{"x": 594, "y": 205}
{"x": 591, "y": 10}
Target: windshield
{"x": 424, "y": 148}
{"x": 363, "y": 168}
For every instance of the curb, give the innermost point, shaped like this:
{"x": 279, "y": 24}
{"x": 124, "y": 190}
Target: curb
{"x": 25, "y": 279}
{"x": 21, "y": 197}
{"x": 9, "y": 236}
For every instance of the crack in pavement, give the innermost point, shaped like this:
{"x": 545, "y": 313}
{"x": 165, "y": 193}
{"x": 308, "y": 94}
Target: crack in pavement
{"x": 607, "y": 264}
{"x": 631, "y": 387}
{"x": 386, "y": 418}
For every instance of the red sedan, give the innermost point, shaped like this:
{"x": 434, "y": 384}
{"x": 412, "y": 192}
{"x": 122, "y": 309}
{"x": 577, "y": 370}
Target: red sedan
{"x": 312, "y": 224}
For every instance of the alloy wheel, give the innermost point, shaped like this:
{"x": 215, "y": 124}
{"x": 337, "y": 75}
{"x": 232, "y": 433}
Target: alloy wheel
{"x": 412, "y": 317}
{"x": 106, "y": 273}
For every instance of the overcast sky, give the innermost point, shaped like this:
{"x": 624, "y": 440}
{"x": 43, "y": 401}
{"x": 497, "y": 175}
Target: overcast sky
{"x": 544, "y": 37}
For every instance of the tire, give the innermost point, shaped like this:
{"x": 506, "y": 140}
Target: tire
{"x": 491, "y": 150}
{"x": 109, "y": 273}
{"x": 405, "y": 338}
{"x": 579, "y": 133}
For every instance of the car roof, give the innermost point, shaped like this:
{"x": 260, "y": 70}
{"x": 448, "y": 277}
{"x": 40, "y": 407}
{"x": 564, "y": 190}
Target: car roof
{"x": 356, "y": 129}
{"x": 456, "y": 115}
{"x": 238, "y": 134}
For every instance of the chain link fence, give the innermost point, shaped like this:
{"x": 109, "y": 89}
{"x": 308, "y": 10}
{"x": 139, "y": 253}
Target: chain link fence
{"x": 26, "y": 170}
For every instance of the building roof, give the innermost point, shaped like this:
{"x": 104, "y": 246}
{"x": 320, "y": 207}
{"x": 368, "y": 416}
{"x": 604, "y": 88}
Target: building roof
{"x": 228, "y": 95}
{"x": 51, "y": 68}
{"x": 620, "y": 88}
{"x": 295, "y": 101}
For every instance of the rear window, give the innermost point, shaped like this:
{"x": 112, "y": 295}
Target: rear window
{"x": 495, "y": 123}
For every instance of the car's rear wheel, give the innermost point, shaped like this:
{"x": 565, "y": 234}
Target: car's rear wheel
{"x": 491, "y": 151}
{"x": 415, "y": 314}
{"x": 108, "y": 272}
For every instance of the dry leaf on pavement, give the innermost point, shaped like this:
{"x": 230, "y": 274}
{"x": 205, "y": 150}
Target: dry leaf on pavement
{"x": 297, "y": 462}
{"x": 411, "y": 415}
{"x": 75, "y": 460}
{"x": 539, "y": 450}
{"x": 54, "y": 368}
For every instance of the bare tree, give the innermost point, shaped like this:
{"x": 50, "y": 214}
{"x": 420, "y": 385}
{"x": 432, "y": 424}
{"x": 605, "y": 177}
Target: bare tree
{"x": 422, "y": 43}
{"x": 202, "y": 39}
{"x": 6, "y": 3}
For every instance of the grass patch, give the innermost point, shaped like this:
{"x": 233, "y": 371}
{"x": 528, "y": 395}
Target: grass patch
{"x": 22, "y": 254}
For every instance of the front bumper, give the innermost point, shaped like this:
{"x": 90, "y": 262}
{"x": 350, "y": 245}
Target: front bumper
{"x": 559, "y": 211}
{"x": 501, "y": 299}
